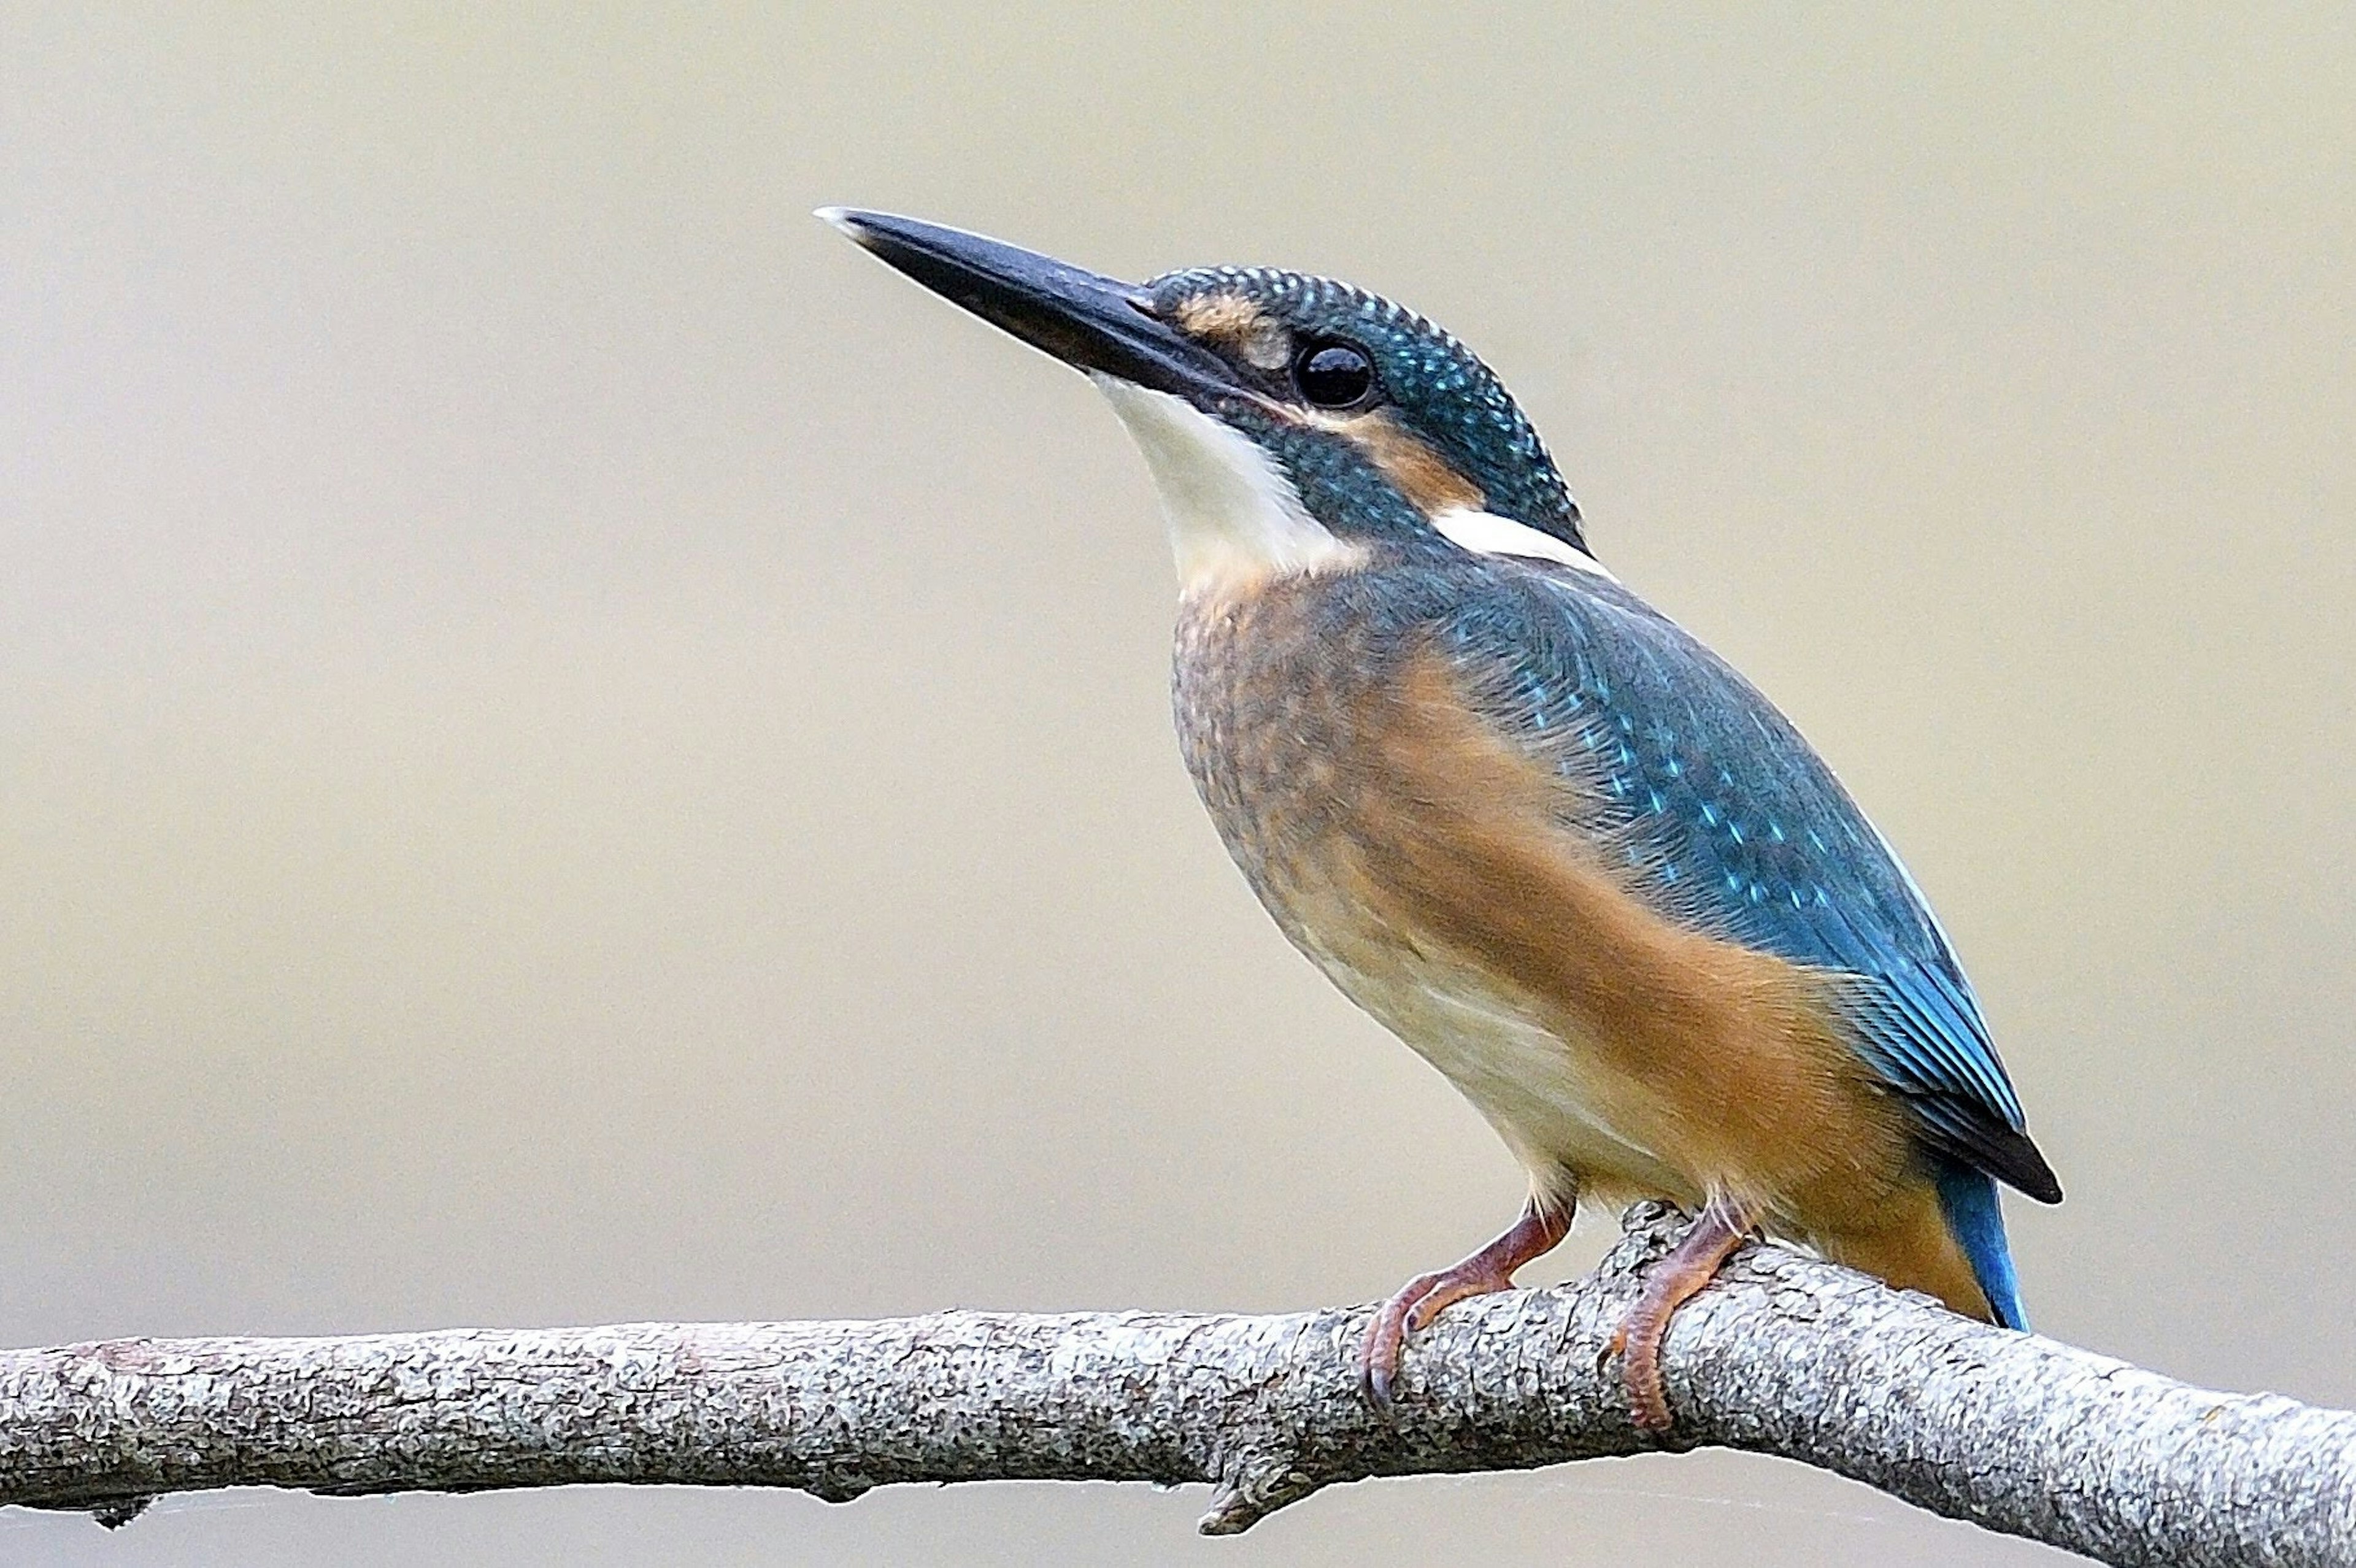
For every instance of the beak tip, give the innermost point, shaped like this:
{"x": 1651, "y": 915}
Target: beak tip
{"x": 845, "y": 219}
{"x": 1094, "y": 323}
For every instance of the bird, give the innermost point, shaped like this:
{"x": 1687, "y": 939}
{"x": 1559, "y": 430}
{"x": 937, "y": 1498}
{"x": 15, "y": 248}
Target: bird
{"x": 1553, "y": 842}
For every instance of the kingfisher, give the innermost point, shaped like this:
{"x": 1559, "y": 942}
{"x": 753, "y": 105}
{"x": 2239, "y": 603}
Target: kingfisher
{"x": 1538, "y": 830}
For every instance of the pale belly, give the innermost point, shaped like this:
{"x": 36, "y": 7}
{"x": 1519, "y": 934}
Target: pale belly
{"x": 1550, "y": 1098}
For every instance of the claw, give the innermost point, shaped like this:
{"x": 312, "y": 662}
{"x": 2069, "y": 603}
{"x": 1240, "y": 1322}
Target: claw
{"x": 1375, "y": 1386}
{"x": 1378, "y": 1353}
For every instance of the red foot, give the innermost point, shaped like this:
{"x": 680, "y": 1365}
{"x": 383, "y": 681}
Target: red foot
{"x": 1426, "y": 1295}
{"x": 1670, "y": 1283}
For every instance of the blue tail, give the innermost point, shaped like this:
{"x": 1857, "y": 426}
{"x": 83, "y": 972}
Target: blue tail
{"x": 1969, "y": 1198}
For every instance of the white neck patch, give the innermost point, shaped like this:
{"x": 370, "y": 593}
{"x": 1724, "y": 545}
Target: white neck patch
{"x": 1485, "y": 533}
{"x": 1232, "y": 513}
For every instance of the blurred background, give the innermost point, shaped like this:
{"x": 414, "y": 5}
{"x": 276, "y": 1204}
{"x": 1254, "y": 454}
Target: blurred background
{"x": 572, "y": 749}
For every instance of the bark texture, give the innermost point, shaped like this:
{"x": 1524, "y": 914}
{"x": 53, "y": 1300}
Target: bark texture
{"x": 1784, "y": 1355}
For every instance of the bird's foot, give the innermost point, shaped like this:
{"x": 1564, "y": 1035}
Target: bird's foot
{"x": 1668, "y": 1285}
{"x": 1426, "y": 1295}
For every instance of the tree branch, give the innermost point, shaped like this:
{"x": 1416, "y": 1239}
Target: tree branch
{"x": 1784, "y": 1355}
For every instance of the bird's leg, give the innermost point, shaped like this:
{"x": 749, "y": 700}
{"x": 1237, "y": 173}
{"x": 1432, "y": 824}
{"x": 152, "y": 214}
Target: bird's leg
{"x": 1544, "y": 1223}
{"x": 1686, "y": 1267}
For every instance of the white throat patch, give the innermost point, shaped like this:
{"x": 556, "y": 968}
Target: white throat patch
{"x": 1231, "y": 514}
{"x": 1485, "y": 533}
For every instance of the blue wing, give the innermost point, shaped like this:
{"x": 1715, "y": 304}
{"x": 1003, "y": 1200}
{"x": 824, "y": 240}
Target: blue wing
{"x": 1735, "y": 823}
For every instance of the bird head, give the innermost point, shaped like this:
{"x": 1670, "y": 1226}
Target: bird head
{"x": 1291, "y": 422}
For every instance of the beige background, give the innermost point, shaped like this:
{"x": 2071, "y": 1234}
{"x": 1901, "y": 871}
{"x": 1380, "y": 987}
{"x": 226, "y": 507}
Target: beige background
{"x": 572, "y": 749}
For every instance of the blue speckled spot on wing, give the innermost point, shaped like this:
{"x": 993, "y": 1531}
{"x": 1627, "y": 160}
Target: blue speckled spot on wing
{"x": 1742, "y": 830}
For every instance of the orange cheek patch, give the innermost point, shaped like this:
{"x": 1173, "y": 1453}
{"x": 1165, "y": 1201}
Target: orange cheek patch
{"x": 1414, "y": 469}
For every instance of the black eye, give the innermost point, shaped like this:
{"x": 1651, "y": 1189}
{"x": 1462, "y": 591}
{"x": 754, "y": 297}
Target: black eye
{"x": 1333, "y": 375}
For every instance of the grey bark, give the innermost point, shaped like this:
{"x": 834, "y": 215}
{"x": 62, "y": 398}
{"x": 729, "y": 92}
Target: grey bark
{"x": 1784, "y": 1355}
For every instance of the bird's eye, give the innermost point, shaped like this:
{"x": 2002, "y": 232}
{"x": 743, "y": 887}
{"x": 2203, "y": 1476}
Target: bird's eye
{"x": 1333, "y": 375}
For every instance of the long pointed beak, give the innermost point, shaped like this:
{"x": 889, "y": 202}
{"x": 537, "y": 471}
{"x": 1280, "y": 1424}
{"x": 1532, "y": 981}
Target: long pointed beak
{"x": 1094, "y": 323}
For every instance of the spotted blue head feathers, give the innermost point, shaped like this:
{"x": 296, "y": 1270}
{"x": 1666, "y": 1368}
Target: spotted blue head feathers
{"x": 1375, "y": 386}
